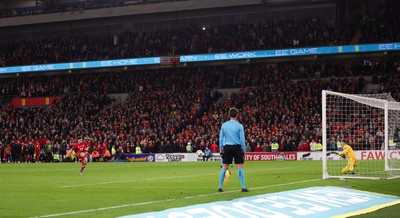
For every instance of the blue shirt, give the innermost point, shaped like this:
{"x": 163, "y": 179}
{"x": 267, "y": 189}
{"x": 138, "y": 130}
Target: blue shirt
{"x": 232, "y": 133}
{"x": 208, "y": 153}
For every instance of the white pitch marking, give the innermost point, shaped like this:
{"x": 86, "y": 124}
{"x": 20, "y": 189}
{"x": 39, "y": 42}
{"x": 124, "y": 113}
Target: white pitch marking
{"x": 162, "y": 178}
{"x": 103, "y": 208}
{"x": 167, "y": 200}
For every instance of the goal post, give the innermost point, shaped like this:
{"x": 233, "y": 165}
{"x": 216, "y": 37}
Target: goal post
{"x": 370, "y": 125}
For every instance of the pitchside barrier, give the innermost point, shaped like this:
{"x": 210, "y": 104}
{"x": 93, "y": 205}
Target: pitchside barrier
{"x": 263, "y": 156}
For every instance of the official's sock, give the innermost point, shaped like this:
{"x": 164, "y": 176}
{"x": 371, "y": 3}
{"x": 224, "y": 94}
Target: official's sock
{"x": 241, "y": 177}
{"x": 221, "y": 177}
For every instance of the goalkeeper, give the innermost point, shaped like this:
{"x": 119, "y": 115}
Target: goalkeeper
{"x": 351, "y": 158}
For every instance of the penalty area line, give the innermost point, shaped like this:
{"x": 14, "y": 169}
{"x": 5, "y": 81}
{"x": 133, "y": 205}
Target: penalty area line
{"x": 168, "y": 200}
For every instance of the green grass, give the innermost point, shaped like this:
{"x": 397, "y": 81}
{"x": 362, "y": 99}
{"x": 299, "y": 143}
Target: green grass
{"x": 366, "y": 168}
{"x": 29, "y": 190}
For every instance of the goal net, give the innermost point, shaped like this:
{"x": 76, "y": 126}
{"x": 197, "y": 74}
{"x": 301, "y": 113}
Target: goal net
{"x": 370, "y": 125}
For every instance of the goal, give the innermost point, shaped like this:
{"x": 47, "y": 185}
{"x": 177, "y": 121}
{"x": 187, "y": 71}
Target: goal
{"x": 370, "y": 124}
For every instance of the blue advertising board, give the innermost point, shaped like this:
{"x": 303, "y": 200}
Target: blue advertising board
{"x": 81, "y": 65}
{"x": 290, "y": 52}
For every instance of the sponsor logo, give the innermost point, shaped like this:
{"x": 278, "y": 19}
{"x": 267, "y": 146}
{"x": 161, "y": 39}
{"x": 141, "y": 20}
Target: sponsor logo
{"x": 389, "y": 46}
{"x": 175, "y": 157}
{"x": 379, "y": 155}
{"x": 270, "y": 156}
{"x": 118, "y": 62}
{"x": 138, "y": 159}
{"x": 190, "y": 58}
{"x": 308, "y": 202}
{"x": 236, "y": 55}
{"x": 300, "y": 51}
{"x": 160, "y": 157}
{"x": 37, "y": 68}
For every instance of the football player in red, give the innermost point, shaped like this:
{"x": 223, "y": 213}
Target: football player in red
{"x": 80, "y": 149}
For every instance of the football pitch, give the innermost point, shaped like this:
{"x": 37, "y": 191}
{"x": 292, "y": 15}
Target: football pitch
{"x": 118, "y": 189}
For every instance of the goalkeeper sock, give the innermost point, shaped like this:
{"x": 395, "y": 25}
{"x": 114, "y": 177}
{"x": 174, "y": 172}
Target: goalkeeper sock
{"x": 221, "y": 177}
{"x": 241, "y": 177}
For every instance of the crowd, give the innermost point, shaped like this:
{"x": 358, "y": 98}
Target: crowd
{"x": 266, "y": 34}
{"x": 381, "y": 26}
{"x": 193, "y": 39}
{"x": 168, "y": 109}
{"x": 181, "y": 109}
{"x": 49, "y": 125}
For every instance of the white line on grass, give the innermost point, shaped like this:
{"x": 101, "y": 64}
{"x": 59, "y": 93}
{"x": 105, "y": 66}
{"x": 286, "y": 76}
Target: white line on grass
{"x": 164, "y": 187}
{"x": 133, "y": 180}
{"x": 167, "y": 200}
{"x": 162, "y": 178}
{"x": 103, "y": 208}
{"x": 41, "y": 170}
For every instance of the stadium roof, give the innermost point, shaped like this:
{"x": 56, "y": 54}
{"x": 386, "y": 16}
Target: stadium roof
{"x": 7, "y": 4}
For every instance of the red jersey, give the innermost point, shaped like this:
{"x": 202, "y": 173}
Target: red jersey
{"x": 79, "y": 147}
{"x": 103, "y": 148}
{"x": 258, "y": 148}
{"x": 37, "y": 148}
{"x": 214, "y": 148}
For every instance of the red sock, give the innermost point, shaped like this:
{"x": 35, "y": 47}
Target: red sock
{"x": 83, "y": 161}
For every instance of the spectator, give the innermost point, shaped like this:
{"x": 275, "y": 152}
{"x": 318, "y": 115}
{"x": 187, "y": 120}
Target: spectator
{"x": 214, "y": 147}
{"x": 95, "y": 156}
{"x": 7, "y": 154}
{"x": 49, "y": 151}
{"x": 188, "y": 147}
{"x": 207, "y": 154}
{"x": 106, "y": 156}
{"x": 258, "y": 147}
{"x": 31, "y": 151}
{"x": 274, "y": 146}
{"x": 63, "y": 150}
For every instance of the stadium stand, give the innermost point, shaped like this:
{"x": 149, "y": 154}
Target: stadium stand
{"x": 42, "y": 7}
{"x": 269, "y": 34}
{"x": 167, "y": 108}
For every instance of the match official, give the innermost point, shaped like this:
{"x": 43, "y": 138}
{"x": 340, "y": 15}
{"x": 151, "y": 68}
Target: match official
{"x": 232, "y": 146}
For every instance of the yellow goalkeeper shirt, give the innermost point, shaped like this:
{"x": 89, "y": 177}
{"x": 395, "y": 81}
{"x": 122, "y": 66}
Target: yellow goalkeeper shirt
{"x": 348, "y": 152}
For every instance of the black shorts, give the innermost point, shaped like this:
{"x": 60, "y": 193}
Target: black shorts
{"x": 233, "y": 151}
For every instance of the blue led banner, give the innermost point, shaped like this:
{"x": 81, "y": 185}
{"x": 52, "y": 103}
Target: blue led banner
{"x": 291, "y": 52}
{"x": 81, "y": 65}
